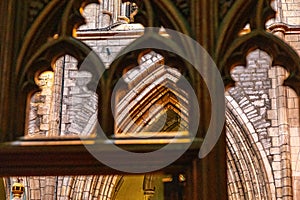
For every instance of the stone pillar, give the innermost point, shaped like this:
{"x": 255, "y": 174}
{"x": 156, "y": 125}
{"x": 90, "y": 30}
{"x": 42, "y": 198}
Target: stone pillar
{"x": 280, "y": 134}
{"x": 209, "y": 177}
{"x": 116, "y": 10}
{"x": 106, "y": 13}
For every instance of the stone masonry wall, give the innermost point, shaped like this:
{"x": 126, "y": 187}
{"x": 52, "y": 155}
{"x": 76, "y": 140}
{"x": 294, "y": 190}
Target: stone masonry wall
{"x": 66, "y": 107}
{"x": 251, "y": 93}
{"x": 269, "y": 109}
{"x": 39, "y": 115}
{"x": 282, "y": 142}
{"x": 249, "y": 101}
{"x": 289, "y": 11}
{"x": 289, "y": 14}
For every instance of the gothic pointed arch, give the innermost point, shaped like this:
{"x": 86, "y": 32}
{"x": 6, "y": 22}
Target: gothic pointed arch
{"x": 232, "y": 47}
{"x": 131, "y": 56}
{"x": 162, "y": 40}
{"x": 282, "y": 54}
{"x": 172, "y": 18}
{"x": 141, "y": 108}
{"x": 52, "y": 35}
{"x": 57, "y": 19}
{"x": 249, "y": 171}
{"x": 44, "y": 45}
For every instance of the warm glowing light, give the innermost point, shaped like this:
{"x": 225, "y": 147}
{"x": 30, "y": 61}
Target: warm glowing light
{"x": 55, "y": 36}
{"x": 245, "y": 30}
{"x": 167, "y": 179}
{"x": 81, "y": 10}
{"x": 74, "y": 33}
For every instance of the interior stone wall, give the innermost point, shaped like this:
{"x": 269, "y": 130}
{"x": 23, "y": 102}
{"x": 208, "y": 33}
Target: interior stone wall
{"x": 262, "y": 121}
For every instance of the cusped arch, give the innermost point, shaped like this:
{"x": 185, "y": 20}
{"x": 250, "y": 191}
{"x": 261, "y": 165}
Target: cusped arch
{"x": 163, "y": 45}
{"x": 282, "y": 54}
{"x": 44, "y": 59}
{"x": 48, "y": 25}
{"x": 232, "y": 48}
{"x": 48, "y": 53}
{"x": 149, "y": 41}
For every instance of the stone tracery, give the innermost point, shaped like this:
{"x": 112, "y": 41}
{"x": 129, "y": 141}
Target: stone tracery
{"x": 271, "y": 112}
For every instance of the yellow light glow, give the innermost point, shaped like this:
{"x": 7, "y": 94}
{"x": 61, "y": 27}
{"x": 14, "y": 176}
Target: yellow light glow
{"x": 74, "y": 33}
{"x": 244, "y": 32}
{"x": 167, "y": 179}
{"x": 55, "y": 36}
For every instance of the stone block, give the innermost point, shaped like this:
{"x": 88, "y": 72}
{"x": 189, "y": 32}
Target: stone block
{"x": 35, "y": 194}
{"x": 75, "y": 90}
{"x": 296, "y": 102}
{"x": 293, "y": 20}
{"x": 272, "y": 93}
{"x": 44, "y": 127}
{"x": 91, "y": 42}
{"x": 275, "y": 141}
{"x": 287, "y": 191}
{"x": 277, "y": 176}
{"x": 271, "y": 73}
{"x": 276, "y": 158}
{"x": 278, "y": 183}
{"x": 102, "y": 43}
{"x": 69, "y": 83}
{"x": 259, "y": 103}
{"x": 272, "y": 114}
{"x": 274, "y": 151}
{"x": 71, "y": 66}
{"x": 295, "y": 141}
{"x": 291, "y": 13}
{"x": 273, "y": 132}
{"x": 113, "y": 42}
{"x": 292, "y": 37}
{"x": 290, "y": 103}
{"x": 295, "y": 45}
{"x": 291, "y": 93}
{"x": 294, "y": 132}
{"x": 282, "y": 116}
{"x": 249, "y": 109}
{"x": 293, "y": 113}
{"x": 45, "y": 119}
{"x": 126, "y": 42}
{"x": 276, "y": 166}
{"x": 116, "y": 49}
{"x": 43, "y": 110}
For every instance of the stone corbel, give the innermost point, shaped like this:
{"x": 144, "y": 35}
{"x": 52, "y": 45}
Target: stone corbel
{"x": 280, "y": 29}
